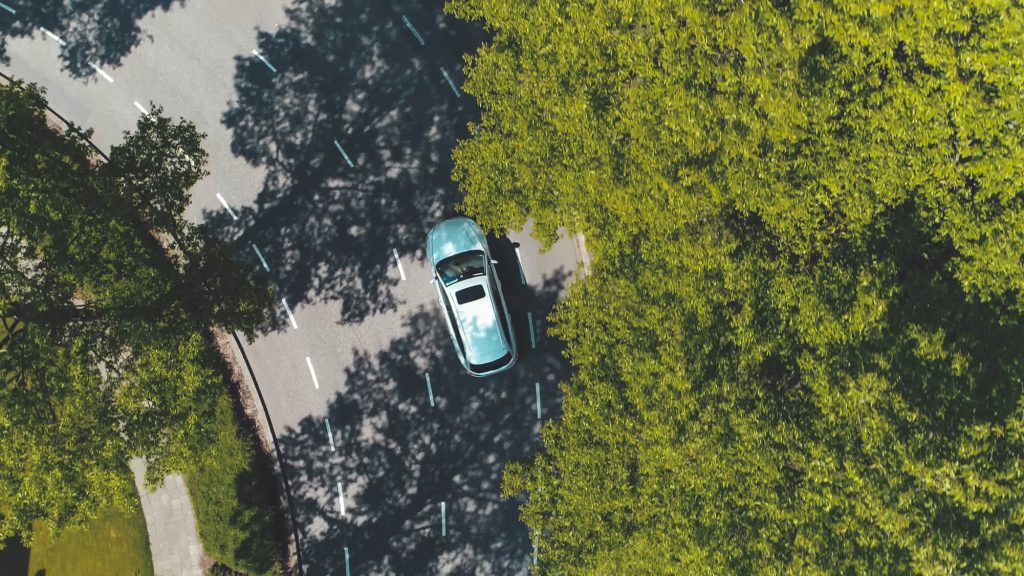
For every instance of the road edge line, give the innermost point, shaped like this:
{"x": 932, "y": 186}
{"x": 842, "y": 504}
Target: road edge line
{"x": 265, "y": 431}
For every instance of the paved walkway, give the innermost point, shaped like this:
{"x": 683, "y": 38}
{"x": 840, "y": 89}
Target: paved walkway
{"x": 171, "y": 525}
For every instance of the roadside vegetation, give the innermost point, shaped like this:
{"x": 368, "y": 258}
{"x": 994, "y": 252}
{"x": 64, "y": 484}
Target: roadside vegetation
{"x": 114, "y": 294}
{"x": 114, "y": 542}
{"x": 235, "y": 499}
{"x": 800, "y": 347}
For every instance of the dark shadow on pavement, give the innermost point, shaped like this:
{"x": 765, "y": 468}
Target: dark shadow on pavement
{"x": 398, "y": 458}
{"x": 100, "y": 31}
{"x": 349, "y": 74}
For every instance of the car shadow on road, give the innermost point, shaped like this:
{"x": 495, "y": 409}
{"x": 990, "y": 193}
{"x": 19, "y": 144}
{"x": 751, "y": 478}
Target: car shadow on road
{"x": 355, "y": 132}
{"x": 93, "y": 31}
{"x": 398, "y": 458}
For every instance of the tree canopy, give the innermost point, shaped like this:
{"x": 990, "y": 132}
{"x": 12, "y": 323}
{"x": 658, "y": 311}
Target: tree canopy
{"x": 799, "y": 349}
{"x": 109, "y": 361}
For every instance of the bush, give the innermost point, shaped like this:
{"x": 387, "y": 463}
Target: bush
{"x": 219, "y": 569}
{"x": 236, "y": 507}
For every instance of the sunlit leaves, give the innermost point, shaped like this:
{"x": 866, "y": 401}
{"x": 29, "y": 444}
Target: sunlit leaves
{"x": 803, "y": 329}
{"x": 111, "y": 362}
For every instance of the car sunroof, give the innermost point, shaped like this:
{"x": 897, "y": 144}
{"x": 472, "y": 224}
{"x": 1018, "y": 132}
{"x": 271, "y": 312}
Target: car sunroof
{"x": 469, "y": 294}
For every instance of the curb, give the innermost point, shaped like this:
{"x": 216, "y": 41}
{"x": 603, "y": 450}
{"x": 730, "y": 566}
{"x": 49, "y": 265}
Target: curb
{"x": 247, "y": 384}
{"x": 68, "y": 124}
{"x": 230, "y": 355}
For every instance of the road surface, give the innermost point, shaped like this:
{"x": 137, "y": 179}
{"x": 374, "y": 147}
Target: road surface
{"x": 330, "y": 127}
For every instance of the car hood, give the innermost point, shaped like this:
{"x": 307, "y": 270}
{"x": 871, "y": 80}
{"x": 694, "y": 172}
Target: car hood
{"x": 452, "y": 237}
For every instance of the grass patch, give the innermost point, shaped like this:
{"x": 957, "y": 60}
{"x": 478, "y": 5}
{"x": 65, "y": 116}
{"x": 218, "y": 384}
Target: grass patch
{"x": 234, "y": 497}
{"x": 113, "y": 543}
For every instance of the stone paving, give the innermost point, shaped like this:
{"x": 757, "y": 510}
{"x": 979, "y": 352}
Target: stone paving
{"x": 171, "y": 524}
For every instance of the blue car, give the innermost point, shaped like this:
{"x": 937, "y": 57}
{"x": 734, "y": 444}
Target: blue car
{"x": 471, "y": 297}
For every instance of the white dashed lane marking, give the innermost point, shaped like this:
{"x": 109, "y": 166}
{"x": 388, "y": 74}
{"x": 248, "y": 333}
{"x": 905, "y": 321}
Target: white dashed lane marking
{"x": 413, "y": 30}
{"x": 399, "y": 261}
{"x": 430, "y": 391}
{"x": 224, "y": 203}
{"x": 259, "y": 255}
{"x": 330, "y": 435}
{"x": 257, "y": 54}
{"x": 100, "y": 71}
{"x": 522, "y": 273}
{"x": 316, "y": 383}
{"x": 54, "y": 36}
{"x": 444, "y": 521}
{"x": 533, "y": 338}
{"x": 536, "y": 386}
{"x": 341, "y": 500}
{"x": 344, "y": 154}
{"x": 289, "y": 311}
{"x": 450, "y": 83}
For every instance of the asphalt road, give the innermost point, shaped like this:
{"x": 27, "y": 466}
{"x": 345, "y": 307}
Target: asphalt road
{"x": 331, "y": 146}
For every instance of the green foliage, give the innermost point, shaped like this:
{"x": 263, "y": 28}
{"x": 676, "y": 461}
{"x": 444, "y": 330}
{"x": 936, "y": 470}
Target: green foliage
{"x": 222, "y": 570}
{"x": 8, "y": 328}
{"x": 218, "y": 288}
{"x": 233, "y": 500}
{"x": 116, "y": 542}
{"x": 799, "y": 350}
{"x": 156, "y": 166}
{"x": 110, "y": 362}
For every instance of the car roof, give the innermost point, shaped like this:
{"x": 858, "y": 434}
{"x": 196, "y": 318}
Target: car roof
{"x": 454, "y": 236}
{"x": 479, "y": 323}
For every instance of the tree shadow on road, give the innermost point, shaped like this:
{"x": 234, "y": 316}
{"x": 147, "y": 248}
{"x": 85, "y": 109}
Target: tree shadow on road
{"x": 100, "y": 31}
{"x": 398, "y": 458}
{"x": 349, "y": 74}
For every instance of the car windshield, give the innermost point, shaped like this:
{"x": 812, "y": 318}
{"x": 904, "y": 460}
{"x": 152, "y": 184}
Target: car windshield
{"x": 461, "y": 266}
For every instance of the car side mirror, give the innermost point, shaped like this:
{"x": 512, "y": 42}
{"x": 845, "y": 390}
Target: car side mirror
{"x": 515, "y": 244}
{"x": 493, "y": 261}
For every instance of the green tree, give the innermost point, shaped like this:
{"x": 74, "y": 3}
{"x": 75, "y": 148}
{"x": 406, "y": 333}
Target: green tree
{"x": 110, "y": 362}
{"x": 799, "y": 348}
{"x": 155, "y": 167}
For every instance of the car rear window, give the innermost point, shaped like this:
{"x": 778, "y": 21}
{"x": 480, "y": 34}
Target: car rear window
{"x": 469, "y": 294}
{"x": 500, "y": 362}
